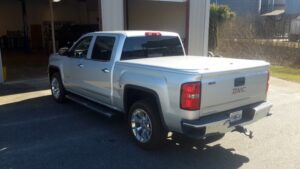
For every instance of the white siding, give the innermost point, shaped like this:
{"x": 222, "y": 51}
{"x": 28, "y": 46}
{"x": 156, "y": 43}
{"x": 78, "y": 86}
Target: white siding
{"x": 112, "y": 14}
{"x": 198, "y": 27}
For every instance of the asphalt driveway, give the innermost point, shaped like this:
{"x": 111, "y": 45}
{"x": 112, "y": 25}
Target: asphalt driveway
{"x": 36, "y": 132}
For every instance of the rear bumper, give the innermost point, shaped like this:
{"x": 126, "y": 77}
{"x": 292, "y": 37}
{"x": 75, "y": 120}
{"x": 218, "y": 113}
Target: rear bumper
{"x": 220, "y": 122}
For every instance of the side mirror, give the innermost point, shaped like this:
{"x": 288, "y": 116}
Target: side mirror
{"x": 63, "y": 51}
{"x": 69, "y": 44}
{"x": 211, "y": 54}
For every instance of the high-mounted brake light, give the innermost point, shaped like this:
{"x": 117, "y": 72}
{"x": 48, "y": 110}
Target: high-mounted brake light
{"x": 268, "y": 83}
{"x": 190, "y": 98}
{"x": 152, "y": 34}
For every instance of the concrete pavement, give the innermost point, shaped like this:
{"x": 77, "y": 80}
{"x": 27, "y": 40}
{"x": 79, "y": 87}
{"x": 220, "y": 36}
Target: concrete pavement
{"x": 36, "y": 132}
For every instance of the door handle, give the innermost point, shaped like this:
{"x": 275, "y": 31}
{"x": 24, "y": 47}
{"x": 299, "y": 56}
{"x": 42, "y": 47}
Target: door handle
{"x": 80, "y": 65}
{"x": 105, "y": 70}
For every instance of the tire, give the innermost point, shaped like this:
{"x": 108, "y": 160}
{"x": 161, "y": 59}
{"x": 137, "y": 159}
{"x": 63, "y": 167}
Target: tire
{"x": 57, "y": 88}
{"x": 145, "y": 125}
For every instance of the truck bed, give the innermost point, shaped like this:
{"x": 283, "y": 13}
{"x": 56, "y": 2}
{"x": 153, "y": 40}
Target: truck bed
{"x": 219, "y": 78}
{"x": 199, "y": 64}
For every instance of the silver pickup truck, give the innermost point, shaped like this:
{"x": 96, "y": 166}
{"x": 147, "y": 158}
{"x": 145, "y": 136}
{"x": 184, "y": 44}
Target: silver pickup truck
{"x": 147, "y": 76}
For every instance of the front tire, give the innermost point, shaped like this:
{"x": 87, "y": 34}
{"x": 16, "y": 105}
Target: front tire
{"x": 57, "y": 88}
{"x": 145, "y": 125}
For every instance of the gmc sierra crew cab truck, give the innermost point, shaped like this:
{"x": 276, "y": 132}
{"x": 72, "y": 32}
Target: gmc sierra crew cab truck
{"x": 147, "y": 76}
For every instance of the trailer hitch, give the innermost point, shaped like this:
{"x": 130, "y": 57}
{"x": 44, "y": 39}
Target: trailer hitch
{"x": 244, "y": 131}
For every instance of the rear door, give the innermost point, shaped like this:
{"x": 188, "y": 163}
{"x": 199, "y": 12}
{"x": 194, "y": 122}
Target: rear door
{"x": 98, "y": 69}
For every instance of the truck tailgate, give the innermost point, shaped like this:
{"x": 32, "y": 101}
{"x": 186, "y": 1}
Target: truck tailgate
{"x": 225, "y": 90}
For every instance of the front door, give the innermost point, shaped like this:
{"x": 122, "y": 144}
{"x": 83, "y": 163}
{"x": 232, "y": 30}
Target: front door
{"x": 74, "y": 66}
{"x": 97, "y": 71}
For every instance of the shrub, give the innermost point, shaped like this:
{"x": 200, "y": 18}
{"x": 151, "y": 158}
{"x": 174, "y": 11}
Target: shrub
{"x": 218, "y": 15}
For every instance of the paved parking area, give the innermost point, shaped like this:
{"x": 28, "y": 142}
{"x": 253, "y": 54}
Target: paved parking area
{"x": 35, "y": 132}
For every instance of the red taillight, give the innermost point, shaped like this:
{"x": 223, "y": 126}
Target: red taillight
{"x": 153, "y": 34}
{"x": 268, "y": 83}
{"x": 190, "y": 98}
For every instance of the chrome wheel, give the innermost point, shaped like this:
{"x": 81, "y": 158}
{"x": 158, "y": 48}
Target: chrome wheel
{"x": 55, "y": 88}
{"x": 141, "y": 125}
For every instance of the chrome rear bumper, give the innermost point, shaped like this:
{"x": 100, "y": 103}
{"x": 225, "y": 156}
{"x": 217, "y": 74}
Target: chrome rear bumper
{"x": 220, "y": 122}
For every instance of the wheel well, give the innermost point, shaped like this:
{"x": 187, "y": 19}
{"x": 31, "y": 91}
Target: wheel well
{"x": 52, "y": 70}
{"x": 133, "y": 94}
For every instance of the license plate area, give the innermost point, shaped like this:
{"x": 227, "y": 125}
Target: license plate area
{"x": 235, "y": 116}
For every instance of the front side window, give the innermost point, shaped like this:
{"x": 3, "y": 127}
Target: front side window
{"x": 151, "y": 46}
{"x": 103, "y": 48}
{"x": 80, "y": 50}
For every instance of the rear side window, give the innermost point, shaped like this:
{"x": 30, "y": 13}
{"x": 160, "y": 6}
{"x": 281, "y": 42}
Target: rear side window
{"x": 103, "y": 48}
{"x": 151, "y": 46}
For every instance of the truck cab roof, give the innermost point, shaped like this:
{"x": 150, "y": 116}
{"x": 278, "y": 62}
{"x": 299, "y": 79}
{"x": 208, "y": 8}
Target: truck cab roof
{"x": 135, "y": 33}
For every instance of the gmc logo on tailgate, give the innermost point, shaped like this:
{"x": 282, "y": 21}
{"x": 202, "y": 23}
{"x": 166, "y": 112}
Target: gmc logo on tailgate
{"x": 238, "y": 90}
{"x": 239, "y": 85}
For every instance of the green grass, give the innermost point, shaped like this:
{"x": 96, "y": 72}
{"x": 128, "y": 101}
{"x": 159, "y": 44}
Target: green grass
{"x": 286, "y": 73}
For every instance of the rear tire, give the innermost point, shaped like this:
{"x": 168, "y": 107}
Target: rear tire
{"x": 145, "y": 125}
{"x": 57, "y": 88}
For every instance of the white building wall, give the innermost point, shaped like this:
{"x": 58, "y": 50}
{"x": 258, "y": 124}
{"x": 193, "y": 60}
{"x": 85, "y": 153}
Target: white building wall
{"x": 113, "y": 19}
{"x": 112, "y": 14}
{"x": 198, "y": 27}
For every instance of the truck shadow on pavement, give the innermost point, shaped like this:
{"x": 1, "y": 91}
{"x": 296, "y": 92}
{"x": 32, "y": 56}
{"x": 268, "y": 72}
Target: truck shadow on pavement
{"x": 39, "y": 133}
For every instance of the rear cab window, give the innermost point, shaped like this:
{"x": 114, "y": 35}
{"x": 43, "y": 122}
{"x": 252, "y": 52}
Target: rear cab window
{"x": 151, "y": 46}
